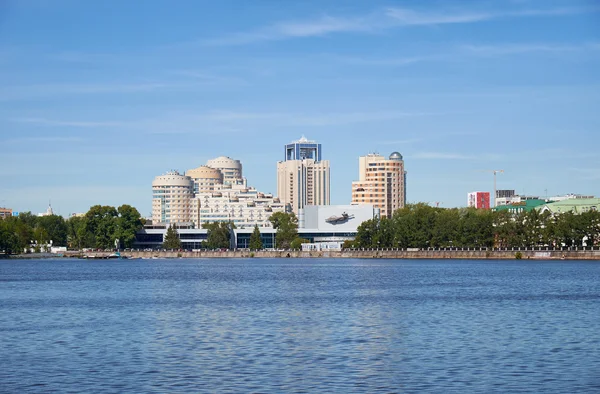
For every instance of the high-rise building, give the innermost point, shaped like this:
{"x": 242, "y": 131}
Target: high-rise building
{"x": 303, "y": 178}
{"x": 172, "y": 196}
{"x": 479, "y": 200}
{"x": 382, "y": 183}
{"x": 231, "y": 169}
{"x": 205, "y": 178}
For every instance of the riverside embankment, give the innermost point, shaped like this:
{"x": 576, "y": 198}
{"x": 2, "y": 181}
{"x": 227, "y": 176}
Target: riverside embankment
{"x": 479, "y": 254}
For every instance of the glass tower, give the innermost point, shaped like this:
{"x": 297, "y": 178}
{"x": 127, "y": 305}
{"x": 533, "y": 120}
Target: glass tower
{"x": 303, "y": 149}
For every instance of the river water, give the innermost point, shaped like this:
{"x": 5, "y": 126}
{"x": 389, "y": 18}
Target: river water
{"x": 299, "y": 326}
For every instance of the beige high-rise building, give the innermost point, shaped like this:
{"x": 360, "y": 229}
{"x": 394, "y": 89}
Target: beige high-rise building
{"x": 382, "y": 183}
{"x": 172, "y": 198}
{"x": 303, "y": 178}
{"x": 231, "y": 169}
{"x": 206, "y": 179}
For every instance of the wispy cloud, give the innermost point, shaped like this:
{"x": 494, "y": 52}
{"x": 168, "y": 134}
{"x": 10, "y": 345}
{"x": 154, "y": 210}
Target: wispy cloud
{"x": 227, "y": 121}
{"x": 51, "y": 90}
{"x": 67, "y": 123}
{"x": 42, "y": 140}
{"x": 402, "y": 142}
{"x": 381, "y": 19}
{"x": 452, "y": 156}
{"x": 408, "y": 17}
{"x": 509, "y": 49}
{"x": 317, "y": 27}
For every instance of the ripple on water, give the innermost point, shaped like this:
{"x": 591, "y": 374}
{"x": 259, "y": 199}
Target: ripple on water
{"x": 300, "y": 326}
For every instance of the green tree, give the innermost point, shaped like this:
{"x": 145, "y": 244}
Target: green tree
{"x": 366, "y": 233}
{"x": 128, "y": 223}
{"x": 171, "y": 240}
{"x": 286, "y": 226}
{"x": 219, "y": 235}
{"x": 55, "y": 228}
{"x": 101, "y": 223}
{"x": 255, "y": 241}
{"x": 77, "y": 236}
{"x": 9, "y": 242}
{"x": 296, "y": 244}
{"x": 21, "y": 230}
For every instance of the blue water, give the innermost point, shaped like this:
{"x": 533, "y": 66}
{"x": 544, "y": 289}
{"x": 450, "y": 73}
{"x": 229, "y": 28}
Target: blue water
{"x": 299, "y": 326}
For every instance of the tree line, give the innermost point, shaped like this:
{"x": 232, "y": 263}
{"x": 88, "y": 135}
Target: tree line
{"x": 98, "y": 228}
{"x": 422, "y": 226}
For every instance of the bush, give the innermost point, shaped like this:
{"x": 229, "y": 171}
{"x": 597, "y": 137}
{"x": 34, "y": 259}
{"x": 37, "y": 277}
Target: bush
{"x": 518, "y": 255}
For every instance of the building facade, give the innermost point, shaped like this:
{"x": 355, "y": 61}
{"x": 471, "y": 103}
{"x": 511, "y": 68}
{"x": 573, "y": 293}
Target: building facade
{"x": 322, "y": 225}
{"x": 303, "y": 178}
{"x": 230, "y": 168}
{"x": 479, "y": 200}
{"x": 172, "y": 197}
{"x": 205, "y": 179}
{"x": 244, "y": 207}
{"x": 5, "y": 213}
{"x": 382, "y": 183}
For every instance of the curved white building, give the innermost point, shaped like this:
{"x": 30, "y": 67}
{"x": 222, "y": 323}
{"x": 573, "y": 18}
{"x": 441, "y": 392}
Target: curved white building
{"x": 172, "y": 196}
{"x": 231, "y": 169}
{"x": 205, "y": 179}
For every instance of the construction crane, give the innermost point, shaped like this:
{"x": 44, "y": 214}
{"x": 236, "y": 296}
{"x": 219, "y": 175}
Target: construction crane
{"x": 495, "y": 172}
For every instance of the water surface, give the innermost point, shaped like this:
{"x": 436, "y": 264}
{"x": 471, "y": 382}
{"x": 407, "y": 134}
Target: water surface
{"x": 295, "y": 325}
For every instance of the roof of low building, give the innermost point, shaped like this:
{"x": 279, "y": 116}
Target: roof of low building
{"x": 575, "y": 205}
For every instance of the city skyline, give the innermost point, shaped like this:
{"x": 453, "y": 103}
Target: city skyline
{"x": 98, "y": 99}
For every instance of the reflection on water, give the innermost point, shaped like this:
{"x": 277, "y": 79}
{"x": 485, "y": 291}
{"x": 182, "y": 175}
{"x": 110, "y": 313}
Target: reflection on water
{"x": 299, "y": 326}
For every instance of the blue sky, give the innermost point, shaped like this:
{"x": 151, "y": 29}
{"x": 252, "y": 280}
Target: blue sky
{"x": 98, "y": 98}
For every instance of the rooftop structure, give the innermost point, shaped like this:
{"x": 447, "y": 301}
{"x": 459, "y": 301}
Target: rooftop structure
{"x": 303, "y": 149}
{"x": 205, "y": 179}
{"x": 575, "y": 205}
{"x": 49, "y": 211}
{"x": 521, "y": 206}
{"x": 230, "y": 168}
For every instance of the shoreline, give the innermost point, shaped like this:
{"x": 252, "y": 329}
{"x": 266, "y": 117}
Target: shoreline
{"x": 478, "y": 254}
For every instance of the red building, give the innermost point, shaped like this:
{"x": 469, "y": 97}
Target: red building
{"x": 479, "y": 200}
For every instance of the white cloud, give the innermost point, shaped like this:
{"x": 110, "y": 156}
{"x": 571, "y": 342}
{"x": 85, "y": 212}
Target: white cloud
{"x": 378, "y": 20}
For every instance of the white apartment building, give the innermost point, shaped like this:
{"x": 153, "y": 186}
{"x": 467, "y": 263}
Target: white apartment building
{"x": 382, "y": 183}
{"x": 172, "y": 196}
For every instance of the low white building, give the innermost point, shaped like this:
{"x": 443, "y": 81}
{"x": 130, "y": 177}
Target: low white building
{"x": 322, "y": 246}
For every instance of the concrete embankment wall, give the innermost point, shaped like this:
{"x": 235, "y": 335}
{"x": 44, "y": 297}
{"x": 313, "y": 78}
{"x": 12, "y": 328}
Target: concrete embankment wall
{"x": 385, "y": 254}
